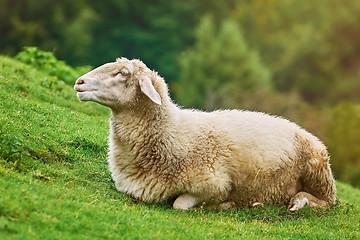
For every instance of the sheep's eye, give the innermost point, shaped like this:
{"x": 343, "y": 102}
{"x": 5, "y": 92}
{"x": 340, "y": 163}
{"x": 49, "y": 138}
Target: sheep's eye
{"x": 124, "y": 72}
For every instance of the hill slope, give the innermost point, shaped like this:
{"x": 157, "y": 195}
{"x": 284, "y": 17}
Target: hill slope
{"x": 54, "y": 181}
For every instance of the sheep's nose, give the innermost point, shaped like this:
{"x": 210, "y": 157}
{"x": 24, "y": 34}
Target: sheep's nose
{"x": 79, "y": 82}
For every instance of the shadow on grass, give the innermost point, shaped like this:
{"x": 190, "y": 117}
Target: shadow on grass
{"x": 266, "y": 214}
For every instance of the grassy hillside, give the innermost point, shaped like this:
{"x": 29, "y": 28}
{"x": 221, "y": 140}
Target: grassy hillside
{"x": 54, "y": 181}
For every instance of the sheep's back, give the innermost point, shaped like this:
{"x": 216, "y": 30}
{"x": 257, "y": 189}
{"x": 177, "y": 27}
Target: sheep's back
{"x": 256, "y": 143}
{"x": 259, "y": 137}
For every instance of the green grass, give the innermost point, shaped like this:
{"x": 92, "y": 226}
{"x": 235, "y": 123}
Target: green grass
{"x": 55, "y": 184}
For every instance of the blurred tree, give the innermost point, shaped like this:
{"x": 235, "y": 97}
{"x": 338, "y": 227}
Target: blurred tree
{"x": 94, "y": 32}
{"x": 343, "y": 139}
{"x": 311, "y": 48}
{"x": 65, "y": 27}
{"x": 219, "y": 67}
{"x": 76, "y": 31}
{"x": 154, "y": 31}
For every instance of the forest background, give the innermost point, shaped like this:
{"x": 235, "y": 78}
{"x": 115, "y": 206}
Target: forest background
{"x": 297, "y": 59}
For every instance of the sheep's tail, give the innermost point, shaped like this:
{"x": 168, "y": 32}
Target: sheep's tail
{"x": 317, "y": 178}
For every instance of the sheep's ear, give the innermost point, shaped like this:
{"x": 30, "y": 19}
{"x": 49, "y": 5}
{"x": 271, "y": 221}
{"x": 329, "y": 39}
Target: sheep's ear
{"x": 148, "y": 89}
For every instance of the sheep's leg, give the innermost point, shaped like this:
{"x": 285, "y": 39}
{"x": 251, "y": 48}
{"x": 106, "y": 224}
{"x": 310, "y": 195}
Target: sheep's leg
{"x": 302, "y": 199}
{"x": 185, "y": 202}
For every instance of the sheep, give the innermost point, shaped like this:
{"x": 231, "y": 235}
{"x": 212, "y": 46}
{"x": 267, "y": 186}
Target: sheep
{"x": 225, "y": 159}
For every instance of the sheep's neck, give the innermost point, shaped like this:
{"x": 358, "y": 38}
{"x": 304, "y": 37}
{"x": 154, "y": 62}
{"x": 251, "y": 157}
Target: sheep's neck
{"x": 131, "y": 125}
{"x": 145, "y": 138}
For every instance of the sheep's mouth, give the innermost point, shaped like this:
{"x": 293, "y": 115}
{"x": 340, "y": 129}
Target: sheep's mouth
{"x": 82, "y": 90}
{"x": 86, "y": 91}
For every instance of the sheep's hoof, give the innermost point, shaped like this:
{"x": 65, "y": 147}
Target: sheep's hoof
{"x": 302, "y": 199}
{"x": 185, "y": 202}
{"x": 297, "y": 203}
{"x": 257, "y": 205}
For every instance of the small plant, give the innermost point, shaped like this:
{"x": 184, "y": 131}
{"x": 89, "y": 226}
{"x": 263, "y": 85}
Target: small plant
{"x": 49, "y": 64}
{"x": 12, "y": 148}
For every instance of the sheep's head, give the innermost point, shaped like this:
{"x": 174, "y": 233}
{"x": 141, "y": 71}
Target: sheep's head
{"x": 118, "y": 84}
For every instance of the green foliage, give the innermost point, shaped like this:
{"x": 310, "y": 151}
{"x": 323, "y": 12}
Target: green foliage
{"x": 49, "y": 64}
{"x": 343, "y": 138}
{"x": 220, "y": 66}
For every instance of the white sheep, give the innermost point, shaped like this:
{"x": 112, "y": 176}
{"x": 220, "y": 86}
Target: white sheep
{"x": 223, "y": 159}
